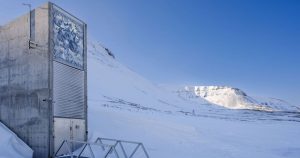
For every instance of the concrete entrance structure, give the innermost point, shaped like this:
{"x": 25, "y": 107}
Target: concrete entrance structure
{"x": 43, "y": 78}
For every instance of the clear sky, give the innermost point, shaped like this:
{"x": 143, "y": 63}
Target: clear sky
{"x": 250, "y": 44}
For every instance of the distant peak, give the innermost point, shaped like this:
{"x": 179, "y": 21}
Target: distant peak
{"x": 226, "y": 89}
{"x": 235, "y": 98}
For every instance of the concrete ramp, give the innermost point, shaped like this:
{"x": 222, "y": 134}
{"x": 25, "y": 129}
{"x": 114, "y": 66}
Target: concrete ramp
{"x": 11, "y": 146}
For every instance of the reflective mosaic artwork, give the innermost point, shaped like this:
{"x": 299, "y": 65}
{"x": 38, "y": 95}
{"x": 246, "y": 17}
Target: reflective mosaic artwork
{"x": 68, "y": 39}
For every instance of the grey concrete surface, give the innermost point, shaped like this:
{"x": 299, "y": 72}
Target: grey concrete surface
{"x": 26, "y": 79}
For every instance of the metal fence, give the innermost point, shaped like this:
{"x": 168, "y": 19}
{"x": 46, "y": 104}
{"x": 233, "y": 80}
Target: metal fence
{"x": 101, "y": 148}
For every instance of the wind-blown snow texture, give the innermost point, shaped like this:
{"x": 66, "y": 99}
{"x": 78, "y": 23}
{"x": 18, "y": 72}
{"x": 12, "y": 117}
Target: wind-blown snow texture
{"x": 124, "y": 105}
{"x": 11, "y": 146}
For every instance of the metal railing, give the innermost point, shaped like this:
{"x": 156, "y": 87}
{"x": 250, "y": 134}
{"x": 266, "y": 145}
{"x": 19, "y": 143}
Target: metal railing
{"x": 122, "y": 145}
{"x": 81, "y": 149}
{"x": 101, "y": 148}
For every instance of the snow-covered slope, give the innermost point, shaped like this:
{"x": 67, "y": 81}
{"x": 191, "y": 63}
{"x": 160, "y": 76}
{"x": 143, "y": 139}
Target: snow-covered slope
{"x": 113, "y": 83}
{"x": 124, "y": 105}
{"x": 235, "y": 98}
{"x": 277, "y": 104}
{"x": 11, "y": 146}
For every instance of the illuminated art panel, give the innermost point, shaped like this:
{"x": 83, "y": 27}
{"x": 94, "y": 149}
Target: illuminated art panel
{"x": 68, "y": 38}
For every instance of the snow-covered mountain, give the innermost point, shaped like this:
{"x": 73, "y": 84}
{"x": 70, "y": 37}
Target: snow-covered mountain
{"x": 234, "y": 98}
{"x": 124, "y": 105}
{"x": 116, "y": 85}
{"x": 277, "y": 104}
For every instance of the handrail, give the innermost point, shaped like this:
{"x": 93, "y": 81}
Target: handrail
{"x": 83, "y": 148}
{"x": 111, "y": 148}
{"x": 121, "y": 143}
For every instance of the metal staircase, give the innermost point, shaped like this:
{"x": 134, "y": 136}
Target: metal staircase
{"x": 101, "y": 148}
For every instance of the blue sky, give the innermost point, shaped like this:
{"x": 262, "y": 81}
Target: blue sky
{"x": 250, "y": 44}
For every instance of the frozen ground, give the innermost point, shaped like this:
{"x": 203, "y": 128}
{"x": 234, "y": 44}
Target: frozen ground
{"x": 179, "y": 136}
{"x": 124, "y": 105}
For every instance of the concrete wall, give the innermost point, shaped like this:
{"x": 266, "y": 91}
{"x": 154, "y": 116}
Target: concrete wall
{"x": 26, "y": 83}
{"x": 24, "y": 80}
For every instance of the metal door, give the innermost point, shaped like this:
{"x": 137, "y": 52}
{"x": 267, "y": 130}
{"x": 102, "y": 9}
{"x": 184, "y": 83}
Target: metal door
{"x": 68, "y": 129}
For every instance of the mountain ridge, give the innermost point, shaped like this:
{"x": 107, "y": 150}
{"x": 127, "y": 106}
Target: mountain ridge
{"x": 235, "y": 98}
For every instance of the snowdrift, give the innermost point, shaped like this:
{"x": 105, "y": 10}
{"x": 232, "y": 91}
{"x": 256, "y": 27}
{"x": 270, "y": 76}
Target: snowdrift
{"x": 11, "y": 146}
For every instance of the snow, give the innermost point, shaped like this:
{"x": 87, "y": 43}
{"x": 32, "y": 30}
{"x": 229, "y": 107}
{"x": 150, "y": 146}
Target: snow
{"x": 277, "y": 104}
{"x": 11, "y": 145}
{"x": 182, "y": 123}
{"x": 179, "y": 136}
{"x": 234, "y": 98}
{"x": 124, "y": 105}
{"x": 110, "y": 81}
